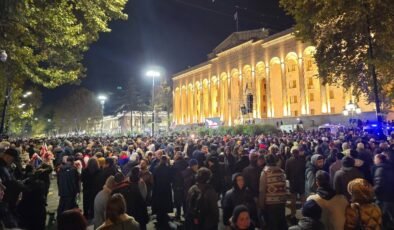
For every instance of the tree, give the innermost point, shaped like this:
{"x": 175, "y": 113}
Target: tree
{"x": 45, "y": 40}
{"x": 163, "y": 99}
{"x": 353, "y": 40}
{"x": 77, "y": 111}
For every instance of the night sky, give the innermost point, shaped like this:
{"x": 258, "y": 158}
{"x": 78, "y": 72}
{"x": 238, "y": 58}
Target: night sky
{"x": 172, "y": 34}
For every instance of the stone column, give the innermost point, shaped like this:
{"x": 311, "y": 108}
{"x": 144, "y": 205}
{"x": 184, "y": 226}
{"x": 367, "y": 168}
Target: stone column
{"x": 304, "y": 108}
{"x": 285, "y": 104}
{"x": 268, "y": 92}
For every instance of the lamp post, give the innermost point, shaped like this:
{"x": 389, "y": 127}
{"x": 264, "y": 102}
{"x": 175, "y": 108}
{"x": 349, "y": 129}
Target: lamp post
{"x": 3, "y": 58}
{"x": 102, "y": 99}
{"x": 153, "y": 74}
{"x": 351, "y": 109}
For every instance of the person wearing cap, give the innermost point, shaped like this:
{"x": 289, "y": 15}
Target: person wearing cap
{"x": 347, "y": 173}
{"x": 311, "y": 213}
{"x": 240, "y": 220}
{"x": 316, "y": 163}
{"x": 7, "y": 158}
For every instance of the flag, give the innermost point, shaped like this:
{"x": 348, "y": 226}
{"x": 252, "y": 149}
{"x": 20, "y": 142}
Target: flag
{"x": 236, "y": 16}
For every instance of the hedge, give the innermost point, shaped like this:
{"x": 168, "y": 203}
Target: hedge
{"x": 251, "y": 130}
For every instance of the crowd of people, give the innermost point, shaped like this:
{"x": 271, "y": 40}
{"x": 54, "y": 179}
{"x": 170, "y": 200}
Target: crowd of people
{"x": 341, "y": 181}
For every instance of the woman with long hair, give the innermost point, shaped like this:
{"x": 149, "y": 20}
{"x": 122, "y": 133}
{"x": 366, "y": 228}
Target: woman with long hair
{"x": 116, "y": 217}
{"x": 89, "y": 178}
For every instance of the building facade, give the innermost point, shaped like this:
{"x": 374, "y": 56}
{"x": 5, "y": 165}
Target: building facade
{"x": 255, "y": 76}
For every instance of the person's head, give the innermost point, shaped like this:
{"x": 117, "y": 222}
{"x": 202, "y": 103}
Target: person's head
{"x": 110, "y": 183}
{"x": 203, "y": 175}
{"x": 159, "y": 154}
{"x": 109, "y": 162}
{"x": 295, "y": 152}
{"x": 361, "y": 191}
{"x": 270, "y": 160}
{"x": 93, "y": 165}
{"x": 238, "y": 181}
{"x": 119, "y": 177}
{"x": 317, "y": 160}
{"x": 253, "y": 156}
{"x": 322, "y": 179}
{"x": 193, "y": 164}
{"x": 135, "y": 175}
{"x": 204, "y": 149}
{"x": 379, "y": 159}
{"x": 261, "y": 161}
{"x": 116, "y": 206}
{"x": 143, "y": 164}
{"x": 10, "y": 155}
{"x": 212, "y": 161}
{"x": 71, "y": 219}
{"x": 241, "y": 217}
{"x": 347, "y": 162}
{"x": 312, "y": 210}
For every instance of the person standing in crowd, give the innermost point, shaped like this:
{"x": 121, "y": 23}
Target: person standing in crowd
{"x": 362, "y": 213}
{"x": 180, "y": 164}
{"x": 240, "y": 219}
{"x": 217, "y": 175}
{"x": 68, "y": 186}
{"x": 316, "y": 163}
{"x": 333, "y": 206}
{"x": 384, "y": 189}
{"x": 272, "y": 197}
{"x": 336, "y": 165}
{"x": 162, "y": 196}
{"x": 89, "y": 179}
{"x": 7, "y": 219}
{"x": 108, "y": 170}
{"x": 147, "y": 176}
{"x": 188, "y": 176}
{"x": 116, "y": 216}
{"x": 72, "y": 219}
{"x": 100, "y": 201}
{"x": 347, "y": 173}
{"x": 239, "y": 194}
{"x": 311, "y": 213}
{"x": 295, "y": 173}
{"x": 202, "y": 203}
{"x": 252, "y": 174}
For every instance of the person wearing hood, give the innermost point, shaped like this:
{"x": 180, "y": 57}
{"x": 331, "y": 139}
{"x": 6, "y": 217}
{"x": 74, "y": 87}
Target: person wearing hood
{"x": 295, "y": 173}
{"x": 333, "y": 206}
{"x": 311, "y": 213}
{"x": 362, "y": 213}
{"x": 316, "y": 163}
{"x": 347, "y": 173}
{"x": 100, "y": 201}
{"x": 242, "y": 163}
{"x": 239, "y": 194}
{"x": 68, "y": 186}
{"x": 384, "y": 189}
{"x": 240, "y": 220}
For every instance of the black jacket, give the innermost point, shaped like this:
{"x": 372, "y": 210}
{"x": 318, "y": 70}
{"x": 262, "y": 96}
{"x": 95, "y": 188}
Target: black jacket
{"x": 68, "y": 181}
{"x": 252, "y": 178}
{"x": 161, "y": 193}
{"x": 384, "y": 182}
{"x": 295, "y": 173}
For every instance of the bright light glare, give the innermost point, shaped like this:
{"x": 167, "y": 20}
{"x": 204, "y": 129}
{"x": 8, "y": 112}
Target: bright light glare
{"x": 358, "y": 110}
{"x": 102, "y": 97}
{"x": 153, "y": 73}
{"x": 345, "y": 112}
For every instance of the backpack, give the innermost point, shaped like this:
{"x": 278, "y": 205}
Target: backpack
{"x": 196, "y": 202}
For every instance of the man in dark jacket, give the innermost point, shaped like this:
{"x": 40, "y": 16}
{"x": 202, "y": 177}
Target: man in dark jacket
{"x": 252, "y": 174}
{"x": 68, "y": 186}
{"x": 239, "y": 194}
{"x": 295, "y": 173}
{"x": 346, "y": 174}
{"x": 108, "y": 170}
{"x": 188, "y": 176}
{"x": 180, "y": 165}
{"x": 384, "y": 189}
{"x": 161, "y": 195}
{"x": 316, "y": 163}
{"x": 202, "y": 206}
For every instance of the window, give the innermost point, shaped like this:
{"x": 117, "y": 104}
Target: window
{"x": 309, "y": 65}
{"x": 310, "y": 83}
{"x": 291, "y": 68}
{"x": 311, "y": 97}
{"x": 332, "y": 94}
{"x": 293, "y": 99}
{"x": 312, "y": 111}
{"x": 295, "y": 113}
{"x": 332, "y": 109}
{"x": 293, "y": 84}
{"x": 264, "y": 109}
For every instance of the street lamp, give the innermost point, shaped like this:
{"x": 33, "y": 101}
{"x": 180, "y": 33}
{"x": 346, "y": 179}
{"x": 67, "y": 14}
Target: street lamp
{"x": 3, "y": 58}
{"x": 153, "y": 74}
{"x": 351, "y": 109}
{"x": 102, "y": 99}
